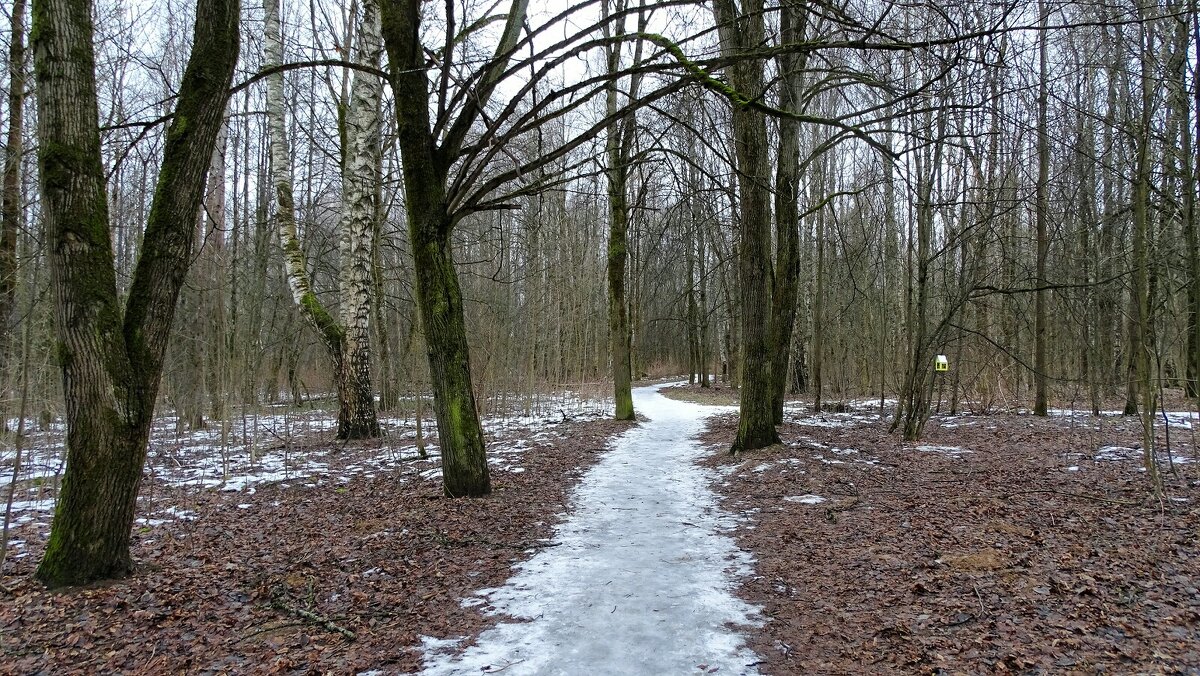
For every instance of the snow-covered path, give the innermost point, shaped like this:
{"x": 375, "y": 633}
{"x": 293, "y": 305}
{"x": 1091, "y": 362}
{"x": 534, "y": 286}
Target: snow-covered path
{"x": 640, "y": 580}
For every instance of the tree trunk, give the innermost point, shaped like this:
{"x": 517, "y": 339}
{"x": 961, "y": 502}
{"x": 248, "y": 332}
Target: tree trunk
{"x": 786, "y": 290}
{"x": 10, "y": 194}
{"x": 112, "y": 359}
{"x": 701, "y": 260}
{"x": 739, "y": 32}
{"x": 347, "y": 343}
{"x": 617, "y": 149}
{"x": 1141, "y": 329}
{"x": 1042, "y": 215}
{"x": 360, "y": 181}
{"x": 430, "y": 225}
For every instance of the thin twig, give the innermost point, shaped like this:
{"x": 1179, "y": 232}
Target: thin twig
{"x": 319, "y": 620}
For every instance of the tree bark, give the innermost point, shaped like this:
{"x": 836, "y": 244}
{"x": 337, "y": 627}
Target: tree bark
{"x": 617, "y": 149}
{"x": 792, "y": 21}
{"x": 10, "y": 194}
{"x": 360, "y": 181}
{"x": 426, "y": 166}
{"x": 346, "y": 342}
{"x": 741, "y": 31}
{"x": 111, "y": 357}
{"x": 1042, "y": 214}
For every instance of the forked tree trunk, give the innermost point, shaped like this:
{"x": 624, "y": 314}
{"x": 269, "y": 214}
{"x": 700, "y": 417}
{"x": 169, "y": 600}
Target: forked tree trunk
{"x": 430, "y": 225}
{"x": 347, "y": 343}
{"x": 111, "y": 357}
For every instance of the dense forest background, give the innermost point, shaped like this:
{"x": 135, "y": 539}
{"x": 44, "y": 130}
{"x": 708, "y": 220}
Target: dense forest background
{"x": 1031, "y": 175}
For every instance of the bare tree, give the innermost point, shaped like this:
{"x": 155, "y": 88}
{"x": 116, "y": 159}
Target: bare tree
{"x": 111, "y": 355}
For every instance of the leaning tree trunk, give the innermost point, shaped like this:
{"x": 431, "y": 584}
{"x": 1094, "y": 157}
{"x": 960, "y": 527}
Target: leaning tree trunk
{"x": 111, "y": 358}
{"x": 740, "y": 32}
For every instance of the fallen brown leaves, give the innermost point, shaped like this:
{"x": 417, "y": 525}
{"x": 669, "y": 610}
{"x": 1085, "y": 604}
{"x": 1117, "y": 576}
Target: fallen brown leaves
{"x": 1002, "y": 559}
{"x": 264, "y": 582}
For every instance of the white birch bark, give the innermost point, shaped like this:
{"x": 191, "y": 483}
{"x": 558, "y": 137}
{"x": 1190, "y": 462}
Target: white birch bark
{"x": 281, "y": 166}
{"x": 360, "y": 176}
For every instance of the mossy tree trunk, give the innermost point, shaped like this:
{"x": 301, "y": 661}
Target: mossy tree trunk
{"x": 742, "y": 29}
{"x": 618, "y": 150}
{"x": 111, "y": 357}
{"x": 426, "y": 165}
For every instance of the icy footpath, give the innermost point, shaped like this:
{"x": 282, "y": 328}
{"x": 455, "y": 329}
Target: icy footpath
{"x": 639, "y": 579}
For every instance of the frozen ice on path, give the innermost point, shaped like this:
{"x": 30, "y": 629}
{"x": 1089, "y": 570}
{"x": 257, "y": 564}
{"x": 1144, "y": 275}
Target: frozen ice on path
{"x": 805, "y": 499}
{"x": 640, "y": 582}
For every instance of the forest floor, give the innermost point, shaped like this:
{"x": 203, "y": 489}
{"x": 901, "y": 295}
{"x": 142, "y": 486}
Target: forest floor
{"x": 998, "y": 544}
{"x": 305, "y": 556}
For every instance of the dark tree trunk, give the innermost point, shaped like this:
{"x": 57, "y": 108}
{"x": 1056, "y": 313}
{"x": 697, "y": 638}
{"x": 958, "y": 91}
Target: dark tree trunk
{"x": 792, "y": 20}
{"x": 10, "y": 197}
{"x": 742, "y": 31}
{"x": 1042, "y": 200}
{"x": 425, "y": 170}
{"x": 112, "y": 360}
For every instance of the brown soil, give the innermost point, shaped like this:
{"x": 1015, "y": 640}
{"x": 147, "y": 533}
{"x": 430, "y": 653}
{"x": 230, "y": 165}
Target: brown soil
{"x": 1030, "y": 553}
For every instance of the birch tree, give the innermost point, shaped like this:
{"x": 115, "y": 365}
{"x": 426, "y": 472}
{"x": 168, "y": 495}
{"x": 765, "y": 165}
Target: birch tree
{"x": 346, "y": 341}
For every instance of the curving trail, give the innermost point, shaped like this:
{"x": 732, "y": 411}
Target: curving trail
{"x": 640, "y": 580}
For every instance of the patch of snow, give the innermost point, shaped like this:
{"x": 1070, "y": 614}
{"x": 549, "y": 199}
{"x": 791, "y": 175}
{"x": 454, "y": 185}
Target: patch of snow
{"x": 626, "y": 572}
{"x": 952, "y": 451}
{"x": 1073, "y": 468}
{"x": 805, "y": 499}
{"x": 1116, "y": 454}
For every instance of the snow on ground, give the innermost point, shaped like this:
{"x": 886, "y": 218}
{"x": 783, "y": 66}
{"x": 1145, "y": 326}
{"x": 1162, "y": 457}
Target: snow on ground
{"x": 805, "y": 499}
{"x": 640, "y": 575}
{"x": 951, "y": 451}
{"x": 274, "y": 447}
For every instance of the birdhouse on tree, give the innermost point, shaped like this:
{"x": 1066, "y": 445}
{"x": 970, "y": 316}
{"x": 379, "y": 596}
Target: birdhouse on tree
{"x": 941, "y": 363}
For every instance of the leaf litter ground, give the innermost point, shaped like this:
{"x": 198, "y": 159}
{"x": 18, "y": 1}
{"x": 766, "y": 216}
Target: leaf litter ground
{"x": 272, "y": 577}
{"x": 999, "y": 544}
